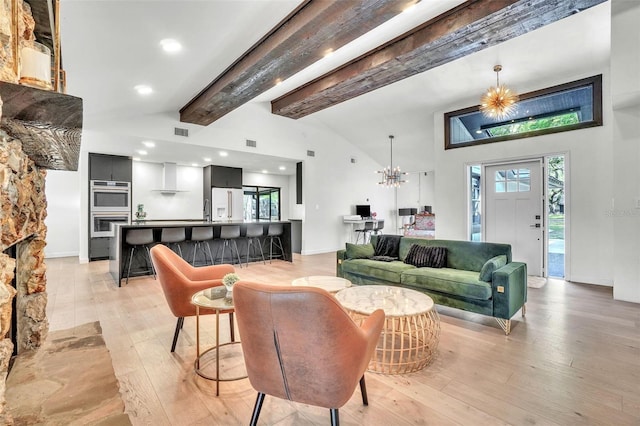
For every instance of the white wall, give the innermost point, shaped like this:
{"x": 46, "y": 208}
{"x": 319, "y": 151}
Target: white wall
{"x": 625, "y": 90}
{"x": 590, "y": 177}
{"x": 63, "y": 213}
{"x": 186, "y": 204}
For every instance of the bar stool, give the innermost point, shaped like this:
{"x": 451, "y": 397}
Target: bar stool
{"x": 228, "y": 234}
{"x": 138, "y": 238}
{"x": 254, "y": 232}
{"x": 174, "y": 236}
{"x": 365, "y": 232}
{"x": 201, "y": 235}
{"x": 378, "y": 227}
{"x": 273, "y": 237}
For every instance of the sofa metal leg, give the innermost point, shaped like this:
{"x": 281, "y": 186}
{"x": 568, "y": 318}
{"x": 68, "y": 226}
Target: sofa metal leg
{"x": 524, "y": 310}
{"x": 505, "y": 325}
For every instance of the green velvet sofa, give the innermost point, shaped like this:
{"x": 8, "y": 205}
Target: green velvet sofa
{"x": 500, "y": 293}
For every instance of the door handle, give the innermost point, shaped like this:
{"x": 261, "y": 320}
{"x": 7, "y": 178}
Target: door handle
{"x": 537, "y": 225}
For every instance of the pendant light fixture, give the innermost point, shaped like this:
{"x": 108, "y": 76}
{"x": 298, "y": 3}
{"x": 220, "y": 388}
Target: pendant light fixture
{"x": 392, "y": 176}
{"x": 498, "y": 102}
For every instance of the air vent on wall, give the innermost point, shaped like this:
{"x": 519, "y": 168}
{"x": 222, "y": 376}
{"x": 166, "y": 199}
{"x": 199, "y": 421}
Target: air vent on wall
{"x": 181, "y": 132}
{"x": 252, "y": 143}
{"x": 311, "y": 153}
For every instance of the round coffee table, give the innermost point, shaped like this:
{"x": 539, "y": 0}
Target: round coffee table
{"x": 411, "y": 331}
{"x": 325, "y": 282}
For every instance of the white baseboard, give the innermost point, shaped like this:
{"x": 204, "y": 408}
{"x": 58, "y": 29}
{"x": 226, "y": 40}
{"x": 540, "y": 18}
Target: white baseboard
{"x": 321, "y": 251}
{"x": 61, "y": 254}
{"x": 591, "y": 280}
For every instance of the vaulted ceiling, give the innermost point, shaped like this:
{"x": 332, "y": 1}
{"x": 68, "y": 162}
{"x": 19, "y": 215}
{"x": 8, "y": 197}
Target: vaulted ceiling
{"x": 388, "y": 72}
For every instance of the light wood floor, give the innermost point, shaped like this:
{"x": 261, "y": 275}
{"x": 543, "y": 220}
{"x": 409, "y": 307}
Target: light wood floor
{"x": 574, "y": 360}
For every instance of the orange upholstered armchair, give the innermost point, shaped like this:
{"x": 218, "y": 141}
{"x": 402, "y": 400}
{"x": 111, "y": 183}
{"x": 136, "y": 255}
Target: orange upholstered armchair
{"x": 180, "y": 281}
{"x": 299, "y": 344}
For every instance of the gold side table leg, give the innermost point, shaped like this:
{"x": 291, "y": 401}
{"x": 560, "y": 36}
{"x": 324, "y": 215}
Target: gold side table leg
{"x": 198, "y": 336}
{"x": 217, "y": 352}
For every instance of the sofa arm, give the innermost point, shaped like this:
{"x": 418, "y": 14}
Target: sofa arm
{"x": 340, "y": 256}
{"x": 509, "y": 285}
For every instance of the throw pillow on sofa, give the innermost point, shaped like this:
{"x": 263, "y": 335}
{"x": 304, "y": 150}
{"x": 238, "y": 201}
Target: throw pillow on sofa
{"x": 421, "y": 256}
{"x": 492, "y": 265}
{"x": 359, "y": 251}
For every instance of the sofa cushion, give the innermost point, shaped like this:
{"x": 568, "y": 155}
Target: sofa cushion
{"x": 359, "y": 251}
{"x": 493, "y": 264}
{"x": 456, "y": 282}
{"x": 385, "y": 271}
{"x": 419, "y": 255}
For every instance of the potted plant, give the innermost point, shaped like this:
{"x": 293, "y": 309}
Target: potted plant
{"x": 229, "y": 280}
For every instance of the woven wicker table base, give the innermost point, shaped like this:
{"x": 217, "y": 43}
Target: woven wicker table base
{"x": 411, "y": 332}
{"x": 406, "y": 344}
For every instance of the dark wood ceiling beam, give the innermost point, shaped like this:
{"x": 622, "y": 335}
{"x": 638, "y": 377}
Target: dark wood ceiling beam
{"x": 468, "y": 28}
{"x": 298, "y": 41}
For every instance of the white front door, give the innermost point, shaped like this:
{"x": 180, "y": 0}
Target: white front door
{"x": 514, "y": 210}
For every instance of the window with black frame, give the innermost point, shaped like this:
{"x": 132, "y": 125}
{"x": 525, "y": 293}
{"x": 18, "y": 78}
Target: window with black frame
{"x": 569, "y": 106}
{"x": 261, "y": 203}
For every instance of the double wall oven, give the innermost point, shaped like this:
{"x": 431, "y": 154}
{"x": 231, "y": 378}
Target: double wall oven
{"x": 110, "y": 202}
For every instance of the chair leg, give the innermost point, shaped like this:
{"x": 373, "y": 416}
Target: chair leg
{"x": 223, "y": 247}
{"x": 261, "y": 252}
{"x": 335, "y": 417}
{"x": 130, "y": 259}
{"x": 231, "y": 327}
{"x": 153, "y": 269}
{"x": 235, "y": 245}
{"x": 195, "y": 251}
{"x": 279, "y": 246}
{"x": 363, "y": 390}
{"x": 256, "y": 409}
{"x": 177, "y": 332}
{"x": 207, "y": 248}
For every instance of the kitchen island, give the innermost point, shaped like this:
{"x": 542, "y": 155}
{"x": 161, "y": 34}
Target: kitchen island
{"x": 119, "y": 249}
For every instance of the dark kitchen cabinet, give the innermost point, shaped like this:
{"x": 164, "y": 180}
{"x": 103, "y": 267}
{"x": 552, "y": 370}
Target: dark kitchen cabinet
{"x": 223, "y": 177}
{"x": 99, "y": 248}
{"x": 110, "y": 167}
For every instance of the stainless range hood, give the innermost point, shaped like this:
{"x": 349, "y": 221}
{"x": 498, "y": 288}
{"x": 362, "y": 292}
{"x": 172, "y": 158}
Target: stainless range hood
{"x": 169, "y": 179}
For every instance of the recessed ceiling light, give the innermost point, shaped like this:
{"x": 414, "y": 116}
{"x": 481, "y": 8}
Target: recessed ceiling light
{"x": 282, "y": 168}
{"x": 328, "y": 52}
{"x": 143, "y": 89}
{"x": 149, "y": 144}
{"x": 207, "y": 159}
{"x": 194, "y": 164}
{"x": 223, "y": 153}
{"x": 170, "y": 45}
{"x": 479, "y": 131}
{"x": 141, "y": 152}
{"x": 278, "y": 81}
{"x": 136, "y": 158}
{"x": 265, "y": 171}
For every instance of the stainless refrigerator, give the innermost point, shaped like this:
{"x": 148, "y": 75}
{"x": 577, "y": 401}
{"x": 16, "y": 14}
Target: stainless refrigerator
{"x": 227, "y": 204}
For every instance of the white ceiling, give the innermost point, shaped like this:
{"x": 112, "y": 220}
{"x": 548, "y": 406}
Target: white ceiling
{"x": 111, "y": 46}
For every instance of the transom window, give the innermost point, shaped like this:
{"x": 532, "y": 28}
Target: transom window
{"x": 513, "y": 180}
{"x": 569, "y": 106}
